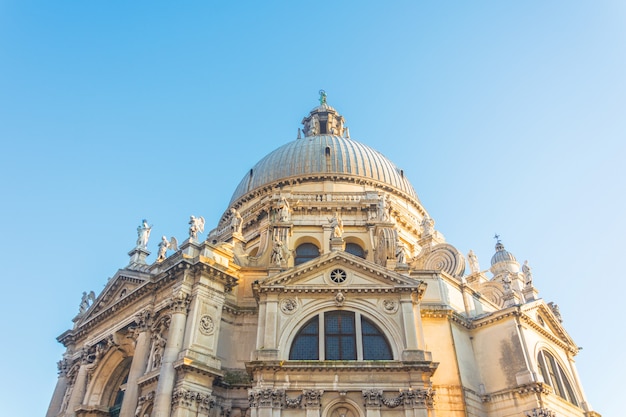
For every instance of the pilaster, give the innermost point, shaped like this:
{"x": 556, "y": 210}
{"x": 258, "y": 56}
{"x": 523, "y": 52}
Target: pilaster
{"x": 163, "y": 397}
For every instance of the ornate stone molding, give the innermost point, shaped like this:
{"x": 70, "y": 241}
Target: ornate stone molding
{"x": 182, "y": 397}
{"x": 293, "y": 402}
{"x": 419, "y": 398}
{"x": 540, "y": 412}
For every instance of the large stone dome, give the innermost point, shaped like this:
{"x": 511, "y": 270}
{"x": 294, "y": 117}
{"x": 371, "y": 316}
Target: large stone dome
{"x": 323, "y": 156}
{"x": 326, "y": 152}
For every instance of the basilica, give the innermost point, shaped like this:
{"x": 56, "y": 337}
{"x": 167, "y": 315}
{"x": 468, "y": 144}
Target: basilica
{"x": 324, "y": 290}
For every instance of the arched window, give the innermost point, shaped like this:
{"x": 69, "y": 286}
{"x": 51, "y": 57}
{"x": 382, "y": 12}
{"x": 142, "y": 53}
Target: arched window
{"x": 355, "y": 249}
{"x": 554, "y": 376}
{"x": 346, "y": 336}
{"x": 306, "y": 252}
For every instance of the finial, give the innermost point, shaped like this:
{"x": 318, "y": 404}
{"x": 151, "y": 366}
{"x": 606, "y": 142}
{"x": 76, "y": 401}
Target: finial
{"x": 299, "y": 133}
{"x": 322, "y": 97}
{"x": 497, "y": 238}
{"x": 346, "y": 133}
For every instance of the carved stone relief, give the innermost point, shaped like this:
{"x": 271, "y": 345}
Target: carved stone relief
{"x": 207, "y": 326}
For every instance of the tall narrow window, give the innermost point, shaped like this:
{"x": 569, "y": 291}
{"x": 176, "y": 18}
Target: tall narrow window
{"x": 340, "y": 336}
{"x": 554, "y": 375}
{"x": 375, "y": 346}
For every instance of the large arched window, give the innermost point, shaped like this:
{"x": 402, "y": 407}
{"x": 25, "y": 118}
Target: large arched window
{"x": 346, "y": 336}
{"x": 554, "y": 376}
{"x": 306, "y": 252}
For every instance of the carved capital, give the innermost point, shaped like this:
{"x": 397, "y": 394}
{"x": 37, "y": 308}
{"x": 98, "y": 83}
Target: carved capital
{"x": 63, "y": 367}
{"x": 143, "y": 320}
{"x": 266, "y": 397}
{"x": 312, "y": 397}
{"x": 182, "y": 397}
{"x": 419, "y": 398}
{"x": 372, "y": 397}
{"x": 180, "y": 302}
{"x": 540, "y": 412}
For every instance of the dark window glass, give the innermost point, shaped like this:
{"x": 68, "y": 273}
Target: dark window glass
{"x": 340, "y": 335}
{"x": 306, "y": 252}
{"x": 355, "y": 249}
{"x": 375, "y": 346}
{"x": 305, "y": 345}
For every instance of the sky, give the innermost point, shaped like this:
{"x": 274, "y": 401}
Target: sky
{"x": 507, "y": 117}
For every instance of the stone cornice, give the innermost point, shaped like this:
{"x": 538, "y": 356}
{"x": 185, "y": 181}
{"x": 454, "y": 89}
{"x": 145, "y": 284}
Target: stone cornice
{"x": 343, "y": 366}
{"x": 187, "y": 365}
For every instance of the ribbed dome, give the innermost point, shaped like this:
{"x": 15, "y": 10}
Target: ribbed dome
{"x": 502, "y": 255}
{"x": 323, "y": 156}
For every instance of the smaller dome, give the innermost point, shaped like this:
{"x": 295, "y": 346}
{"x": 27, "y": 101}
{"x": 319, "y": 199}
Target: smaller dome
{"x": 503, "y": 261}
{"x": 502, "y": 255}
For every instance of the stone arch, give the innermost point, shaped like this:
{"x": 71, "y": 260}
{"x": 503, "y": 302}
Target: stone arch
{"x": 388, "y": 327}
{"x": 342, "y": 407}
{"x": 107, "y": 378}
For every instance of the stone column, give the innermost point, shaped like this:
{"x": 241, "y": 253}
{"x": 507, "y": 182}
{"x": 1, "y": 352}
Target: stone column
{"x": 59, "y": 391}
{"x": 372, "y": 399}
{"x": 80, "y": 385}
{"x": 312, "y": 402}
{"x": 167, "y": 375}
{"x": 137, "y": 367}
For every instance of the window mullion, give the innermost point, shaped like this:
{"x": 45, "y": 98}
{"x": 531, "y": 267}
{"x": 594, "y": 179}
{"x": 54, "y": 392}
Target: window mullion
{"x": 322, "y": 337}
{"x": 359, "y": 336}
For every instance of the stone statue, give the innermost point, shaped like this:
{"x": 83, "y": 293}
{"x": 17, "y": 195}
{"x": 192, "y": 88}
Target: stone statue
{"x": 428, "y": 226}
{"x": 283, "y": 210}
{"x": 158, "y": 346}
{"x": 314, "y": 126}
{"x": 196, "y": 225}
{"x": 473, "y": 262}
{"x": 400, "y": 253}
{"x": 277, "y": 252}
{"x": 236, "y": 221}
{"x": 528, "y": 274}
{"x": 164, "y": 245}
{"x": 382, "y": 211}
{"x": 506, "y": 282}
{"x": 86, "y": 301}
{"x": 143, "y": 234}
{"x": 337, "y": 225}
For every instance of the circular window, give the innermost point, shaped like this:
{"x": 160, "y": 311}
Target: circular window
{"x": 338, "y": 276}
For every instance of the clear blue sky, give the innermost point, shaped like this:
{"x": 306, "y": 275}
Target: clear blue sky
{"x": 507, "y": 117}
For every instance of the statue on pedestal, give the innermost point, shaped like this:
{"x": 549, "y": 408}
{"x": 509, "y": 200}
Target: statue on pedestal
{"x": 143, "y": 234}
{"x": 196, "y": 225}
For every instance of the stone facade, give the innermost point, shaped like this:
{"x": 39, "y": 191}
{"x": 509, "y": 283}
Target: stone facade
{"x": 324, "y": 291}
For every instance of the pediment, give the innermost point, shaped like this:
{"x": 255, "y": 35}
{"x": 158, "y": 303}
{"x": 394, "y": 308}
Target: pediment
{"x": 326, "y": 272}
{"x": 543, "y": 319}
{"x": 121, "y": 286}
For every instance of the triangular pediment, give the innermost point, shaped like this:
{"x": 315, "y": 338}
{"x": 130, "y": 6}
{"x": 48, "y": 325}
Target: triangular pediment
{"x": 326, "y": 271}
{"x": 544, "y": 320}
{"x": 122, "y": 285}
